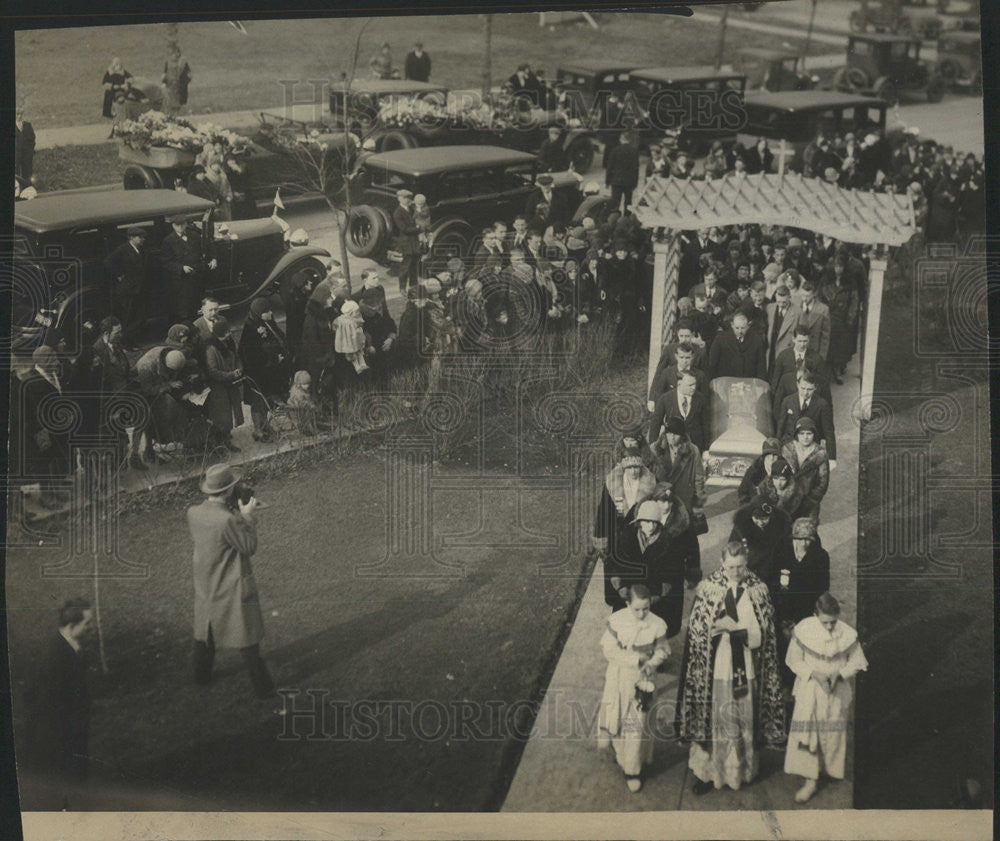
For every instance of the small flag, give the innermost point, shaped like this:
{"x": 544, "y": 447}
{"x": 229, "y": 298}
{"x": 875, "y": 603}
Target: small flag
{"x": 278, "y": 203}
{"x": 238, "y": 26}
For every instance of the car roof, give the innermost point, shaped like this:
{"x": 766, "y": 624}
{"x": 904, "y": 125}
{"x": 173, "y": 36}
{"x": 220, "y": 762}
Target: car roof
{"x": 883, "y": 37}
{"x": 388, "y": 86}
{"x": 434, "y": 159}
{"x": 765, "y": 53}
{"x": 807, "y": 100}
{"x": 67, "y": 210}
{"x": 681, "y": 74}
{"x": 596, "y": 67}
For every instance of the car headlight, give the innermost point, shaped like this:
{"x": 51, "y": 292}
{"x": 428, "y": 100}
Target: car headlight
{"x": 369, "y": 144}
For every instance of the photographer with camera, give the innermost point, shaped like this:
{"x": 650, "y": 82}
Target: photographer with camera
{"x": 226, "y": 606}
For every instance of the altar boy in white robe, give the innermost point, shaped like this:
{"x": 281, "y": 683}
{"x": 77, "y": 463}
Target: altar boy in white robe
{"x": 824, "y": 653}
{"x": 634, "y": 644}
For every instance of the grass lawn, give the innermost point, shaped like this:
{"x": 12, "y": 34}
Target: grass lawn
{"x": 235, "y": 72}
{"x": 925, "y": 706}
{"x": 69, "y": 167}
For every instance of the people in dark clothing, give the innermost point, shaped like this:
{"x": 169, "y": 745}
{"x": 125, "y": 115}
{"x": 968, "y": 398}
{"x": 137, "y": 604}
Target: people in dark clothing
{"x": 805, "y": 403}
{"x": 407, "y": 240}
{"x": 759, "y": 470}
{"x": 224, "y": 406}
{"x": 266, "y": 363}
{"x": 24, "y": 146}
{"x": 738, "y": 352}
{"x": 628, "y": 484}
{"x": 417, "y": 65}
{"x": 622, "y": 174}
{"x": 764, "y": 531}
{"x": 59, "y": 702}
{"x": 185, "y": 268}
{"x": 126, "y": 266}
{"x": 800, "y": 575}
{"x": 552, "y": 153}
{"x": 317, "y": 354}
{"x": 688, "y": 404}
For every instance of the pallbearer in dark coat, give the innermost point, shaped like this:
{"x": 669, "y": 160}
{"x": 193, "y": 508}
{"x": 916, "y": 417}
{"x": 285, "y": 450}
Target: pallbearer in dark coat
{"x": 59, "y": 700}
{"x": 686, "y": 403}
{"x": 126, "y": 267}
{"x": 738, "y": 352}
{"x": 806, "y": 403}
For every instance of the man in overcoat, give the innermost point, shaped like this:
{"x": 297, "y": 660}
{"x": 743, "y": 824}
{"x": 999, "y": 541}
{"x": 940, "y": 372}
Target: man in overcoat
{"x": 407, "y": 241}
{"x": 127, "y": 267}
{"x": 738, "y": 352}
{"x": 185, "y": 268}
{"x": 227, "y": 610}
{"x": 622, "y": 174}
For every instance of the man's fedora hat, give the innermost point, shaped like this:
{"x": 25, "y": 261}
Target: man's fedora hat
{"x": 218, "y": 479}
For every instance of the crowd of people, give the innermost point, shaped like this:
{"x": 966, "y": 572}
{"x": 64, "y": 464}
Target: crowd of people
{"x": 766, "y": 660}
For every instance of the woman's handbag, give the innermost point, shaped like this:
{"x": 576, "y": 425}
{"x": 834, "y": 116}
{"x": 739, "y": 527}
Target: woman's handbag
{"x": 699, "y": 523}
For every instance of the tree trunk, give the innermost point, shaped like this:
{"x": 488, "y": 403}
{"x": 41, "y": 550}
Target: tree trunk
{"x": 722, "y": 36}
{"x": 487, "y": 72}
{"x": 172, "y": 78}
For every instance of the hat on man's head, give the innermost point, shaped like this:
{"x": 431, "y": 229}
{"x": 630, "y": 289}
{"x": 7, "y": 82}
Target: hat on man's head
{"x": 218, "y": 479}
{"x": 677, "y": 426}
{"x": 178, "y": 219}
{"x": 404, "y": 194}
{"x": 135, "y": 231}
{"x": 771, "y": 446}
{"x": 432, "y": 285}
{"x": 831, "y": 174}
{"x": 544, "y": 179}
{"x": 803, "y": 529}
{"x": 805, "y": 423}
{"x": 762, "y": 511}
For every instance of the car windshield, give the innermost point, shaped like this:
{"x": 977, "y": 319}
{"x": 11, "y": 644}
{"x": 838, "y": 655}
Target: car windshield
{"x": 385, "y": 178}
{"x": 862, "y": 48}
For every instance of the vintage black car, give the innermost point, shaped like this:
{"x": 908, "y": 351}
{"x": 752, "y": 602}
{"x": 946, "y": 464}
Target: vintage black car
{"x": 796, "y": 117}
{"x": 265, "y": 158}
{"x": 773, "y": 70}
{"x": 909, "y": 18}
{"x": 960, "y": 60}
{"x": 885, "y": 65}
{"x": 467, "y": 188}
{"x": 62, "y": 239}
{"x": 387, "y": 115}
{"x": 590, "y": 84}
{"x": 693, "y": 106}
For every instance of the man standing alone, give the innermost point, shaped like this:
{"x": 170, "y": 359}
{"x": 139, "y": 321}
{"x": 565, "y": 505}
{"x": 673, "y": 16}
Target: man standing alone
{"x": 622, "y": 174}
{"x": 407, "y": 241}
{"x": 418, "y": 64}
{"x": 226, "y": 606}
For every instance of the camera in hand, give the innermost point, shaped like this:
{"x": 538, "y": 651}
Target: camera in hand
{"x": 242, "y": 493}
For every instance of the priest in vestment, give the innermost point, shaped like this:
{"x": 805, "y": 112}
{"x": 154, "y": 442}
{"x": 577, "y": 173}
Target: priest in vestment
{"x": 729, "y": 700}
{"x": 824, "y": 653}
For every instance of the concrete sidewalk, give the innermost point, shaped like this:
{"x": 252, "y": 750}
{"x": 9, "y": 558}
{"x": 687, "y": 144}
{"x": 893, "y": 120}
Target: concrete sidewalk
{"x": 561, "y": 769}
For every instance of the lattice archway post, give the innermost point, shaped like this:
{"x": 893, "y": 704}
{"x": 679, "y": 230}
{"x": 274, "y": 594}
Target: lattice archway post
{"x": 867, "y": 218}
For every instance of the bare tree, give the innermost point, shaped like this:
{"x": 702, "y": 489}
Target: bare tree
{"x": 172, "y": 80}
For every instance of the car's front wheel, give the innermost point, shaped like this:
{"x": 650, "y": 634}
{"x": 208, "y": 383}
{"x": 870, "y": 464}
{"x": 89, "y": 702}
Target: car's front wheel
{"x": 393, "y": 141}
{"x": 367, "y": 231}
{"x": 138, "y": 177}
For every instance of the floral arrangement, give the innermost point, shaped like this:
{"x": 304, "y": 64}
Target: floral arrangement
{"x": 498, "y": 115}
{"x": 157, "y": 129}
